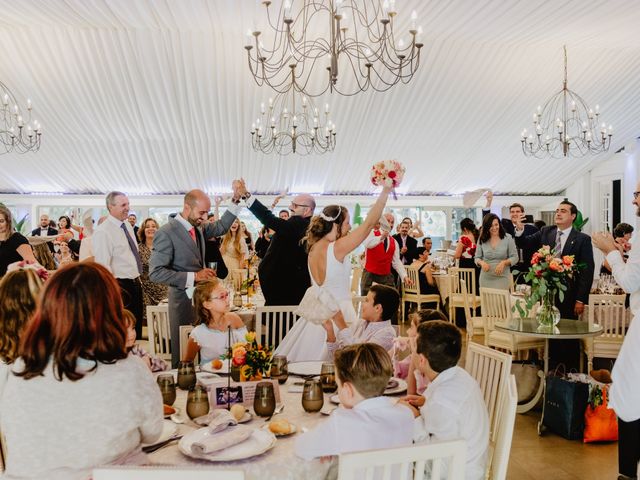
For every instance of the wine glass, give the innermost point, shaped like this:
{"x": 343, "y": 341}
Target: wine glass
{"x": 213, "y": 266}
{"x": 328, "y": 378}
{"x": 312, "y": 396}
{"x": 167, "y": 388}
{"x": 186, "y": 375}
{"x": 264, "y": 400}
{"x": 279, "y": 368}
{"x": 197, "y": 402}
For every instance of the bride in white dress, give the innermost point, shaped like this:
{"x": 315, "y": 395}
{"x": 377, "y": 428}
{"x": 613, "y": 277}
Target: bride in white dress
{"x": 330, "y": 241}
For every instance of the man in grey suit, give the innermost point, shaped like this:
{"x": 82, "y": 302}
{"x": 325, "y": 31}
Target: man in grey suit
{"x": 177, "y": 258}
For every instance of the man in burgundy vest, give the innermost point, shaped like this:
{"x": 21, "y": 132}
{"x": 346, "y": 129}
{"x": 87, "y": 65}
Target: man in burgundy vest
{"x": 382, "y": 252}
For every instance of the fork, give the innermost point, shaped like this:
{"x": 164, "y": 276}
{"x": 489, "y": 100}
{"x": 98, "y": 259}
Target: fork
{"x": 276, "y": 412}
{"x": 158, "y": 446}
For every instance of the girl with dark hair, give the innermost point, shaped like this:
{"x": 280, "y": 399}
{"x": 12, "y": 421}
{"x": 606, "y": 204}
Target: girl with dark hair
{"x": 466, "y": 249}
{"x": 73, "y": 375}
{"x": 495, "y": 254}
{"x": 329, "y": 241}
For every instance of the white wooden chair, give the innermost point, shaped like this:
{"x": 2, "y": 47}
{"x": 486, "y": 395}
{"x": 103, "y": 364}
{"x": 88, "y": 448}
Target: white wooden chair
{"x": 608, "y": 311}
{"x": 273, "y": 323}
{"x": 356, "y": 275}
{"x": 412, "y": 294}
{"x": 502, "y": 449}
{"x": 474, "y": 325}
{"x": 496, "y": 307}
{"x": 165, "y": 473}
{"x": 419, "y": 462}
{"x": 455, "y": 295}
{"x": 357, "y": 304}
{"x": 492, "y": 371}
{"x": 159, "y": 332}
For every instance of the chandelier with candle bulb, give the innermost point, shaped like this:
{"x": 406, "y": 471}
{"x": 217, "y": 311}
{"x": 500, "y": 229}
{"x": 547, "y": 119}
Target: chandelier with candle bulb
{"x": 18, "y": 131}
{"x": 566, "y": 126}
{"x": 343, "y": 46}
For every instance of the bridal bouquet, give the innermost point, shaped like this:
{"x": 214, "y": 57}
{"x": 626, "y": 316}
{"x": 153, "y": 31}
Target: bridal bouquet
{"x": 387, "y": 173}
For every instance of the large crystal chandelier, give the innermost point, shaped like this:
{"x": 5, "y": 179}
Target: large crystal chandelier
{"x": 566, "y": 126}
{"x": 332, "y": 40}
{"x": 18, "y": 132}
{"x": 291, "y": 123}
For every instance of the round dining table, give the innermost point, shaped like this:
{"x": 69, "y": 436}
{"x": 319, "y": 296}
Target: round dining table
{"x": 565, "y": 330}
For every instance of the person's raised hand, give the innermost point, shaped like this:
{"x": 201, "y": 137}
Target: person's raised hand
{"x": 204, "y": 274}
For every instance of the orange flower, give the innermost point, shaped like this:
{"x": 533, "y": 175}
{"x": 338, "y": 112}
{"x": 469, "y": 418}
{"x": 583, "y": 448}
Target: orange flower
{"x": 535, "y": 259}
{"x": 567, "y": 260}
{"x": 556, "y": 266}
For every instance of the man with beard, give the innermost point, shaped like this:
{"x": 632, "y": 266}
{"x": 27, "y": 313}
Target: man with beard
{"x": 178, "y": 256}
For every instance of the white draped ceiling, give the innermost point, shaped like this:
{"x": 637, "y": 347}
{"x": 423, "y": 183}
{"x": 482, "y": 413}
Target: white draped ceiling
{"x": 155, "y": 96}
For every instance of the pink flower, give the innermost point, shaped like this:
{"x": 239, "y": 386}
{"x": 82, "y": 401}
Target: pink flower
{"x": 535, "y": 259}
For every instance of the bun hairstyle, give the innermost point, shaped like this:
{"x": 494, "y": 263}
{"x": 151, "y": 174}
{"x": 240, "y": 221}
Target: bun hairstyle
{"x": 468, "y": 225}
{"x": 322, "y": 224}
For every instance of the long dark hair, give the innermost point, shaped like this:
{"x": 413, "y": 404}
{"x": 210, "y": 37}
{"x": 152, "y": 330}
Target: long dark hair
{"x": 80, "y": 316}
{"x": 470, "y": 226}
{"x": 319, "y": 227}
{"x": 68, "y": 221}
{"x": 486, "y": 225}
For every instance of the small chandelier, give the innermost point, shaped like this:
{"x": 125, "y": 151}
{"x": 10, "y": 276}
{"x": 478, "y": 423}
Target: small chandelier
{"x": 17, "y": 132}
{"x": 291, "y": 123}
{"x": 566, "y": 126}
{"x": 360, "y": 42}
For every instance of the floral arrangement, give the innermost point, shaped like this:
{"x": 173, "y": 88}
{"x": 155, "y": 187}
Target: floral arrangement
{"x": 548, "y": 276}
{"x": 250, "y": 359}
{"x": 387, "y": 173}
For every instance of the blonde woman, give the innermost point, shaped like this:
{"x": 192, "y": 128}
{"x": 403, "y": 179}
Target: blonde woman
{"x": 234, "y": 248}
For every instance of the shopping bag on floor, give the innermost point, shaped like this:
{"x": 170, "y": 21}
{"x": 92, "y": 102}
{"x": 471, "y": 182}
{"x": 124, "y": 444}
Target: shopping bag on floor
{"x": 527, "y": 379}
{"x": 600, "y": 422}
{"x": 564, "y": 406}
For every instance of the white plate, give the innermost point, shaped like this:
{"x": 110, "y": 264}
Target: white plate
{"x": 303, "y": 369}
{"x": 224, "y": 370}
{"x": 335, "y": 399}
{"x": 259, "y": 442}
{"x": 168, "y": 430}
{"x": 402, "y": 387}
{"x": 294, "y": 429}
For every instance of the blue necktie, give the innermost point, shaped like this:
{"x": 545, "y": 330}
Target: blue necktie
{"x": 133, "y": 247}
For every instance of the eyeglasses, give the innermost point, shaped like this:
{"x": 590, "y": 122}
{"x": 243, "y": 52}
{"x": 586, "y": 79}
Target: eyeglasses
{"x": 222, "y": 296}
{"x": 296, "y": 205}
{"x": 636, "y": 195}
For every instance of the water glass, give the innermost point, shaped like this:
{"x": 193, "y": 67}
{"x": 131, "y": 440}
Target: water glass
{"x": 213, "y": 266}
{"x": 264, "y": 400}
{"x": 279, "y": 368}
{"x": 186, "y": 375}
{"x": 167, "y": 388}
{"x": 197, "y": 402}
{"x": 328, "y": 378}
{"x": 312, "y": 396}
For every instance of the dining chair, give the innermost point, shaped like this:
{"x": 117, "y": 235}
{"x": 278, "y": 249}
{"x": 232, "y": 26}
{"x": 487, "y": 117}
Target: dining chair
{"x": 608, "y": 311}
{"x": 165, "y": 473}
{"x": 159, "y": 332}
{"x": 501, "y": 452}
{"x": 273, "y": 323}
{"x": 474, "y": 325}
{"x": 418, "y": 462}
{"x": 455, "y": 295}
{"x": 411, "y": 293}
{"x": 185, "y": 330}
{"x": 492, "y": 370}
{"x": 496, "y": 307}
{"x": 356, "y": 275}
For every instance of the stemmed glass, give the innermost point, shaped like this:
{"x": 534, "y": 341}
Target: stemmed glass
{"x": 186, "y": 375}
{"x": 264, "y": 400}
{"x": 279, "y": 368}
{"x": 167, "y": 388}
{"x": 328, "y": 378}
{"x": 197, "y": 402}
{"x": 312, "y": 396}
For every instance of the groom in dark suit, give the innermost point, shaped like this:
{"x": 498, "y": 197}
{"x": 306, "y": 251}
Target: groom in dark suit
{"x": 178, "y": 256}
{"x": 408, "y": 245}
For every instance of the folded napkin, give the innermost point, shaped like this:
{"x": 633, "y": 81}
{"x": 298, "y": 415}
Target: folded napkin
{"x": 217, "y": 419}
{"x": 221, "y": 440}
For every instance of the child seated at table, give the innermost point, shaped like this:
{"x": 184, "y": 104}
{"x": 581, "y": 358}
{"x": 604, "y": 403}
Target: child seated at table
{"x": 365, "y": 419}
{"x": 375, "y": 326}
{"x": 155, "y": 364}
{"x": 210, "y": 336}
{"x": 452, "y": 406}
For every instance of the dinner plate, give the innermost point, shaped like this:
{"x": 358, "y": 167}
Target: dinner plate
{"x": 224, "y": 370}
{"x": 303, "y": 369}
{"x": 245, "y": 418}
{"x": 168, "y": 430}
{"x": 259, "y": 442}
{"x": 294, "y": 429}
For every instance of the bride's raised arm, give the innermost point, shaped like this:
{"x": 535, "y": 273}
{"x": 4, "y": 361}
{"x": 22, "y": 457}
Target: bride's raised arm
{"x": 349, "y": 243}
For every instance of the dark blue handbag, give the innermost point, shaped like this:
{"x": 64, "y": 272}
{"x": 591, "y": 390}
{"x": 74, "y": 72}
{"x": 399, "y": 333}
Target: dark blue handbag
{"x": 564, "y": 407}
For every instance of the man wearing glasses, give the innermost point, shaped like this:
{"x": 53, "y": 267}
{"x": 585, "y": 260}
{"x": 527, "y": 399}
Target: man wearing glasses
{"x": 625, "y": 390}
{"x": 284, "y": 275}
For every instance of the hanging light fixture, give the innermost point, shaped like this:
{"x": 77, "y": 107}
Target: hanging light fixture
{"x": 18, "y": 132}
{"x": 359, "y": 50}
{"x": 566, "y": 126}
{"x": 291, "y": 123}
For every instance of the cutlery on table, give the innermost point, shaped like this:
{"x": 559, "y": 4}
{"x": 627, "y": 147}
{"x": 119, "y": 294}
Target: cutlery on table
{"x": 276, "y": 411}
{"x": 158, "y": 446}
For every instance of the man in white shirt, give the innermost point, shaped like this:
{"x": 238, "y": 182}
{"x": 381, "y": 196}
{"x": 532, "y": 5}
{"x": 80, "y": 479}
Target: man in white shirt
{"x": 375, "y": 325}
{"x": 624, "y": 396}
{"x": 115, "y": 247}
{"x": 452, "y": 406}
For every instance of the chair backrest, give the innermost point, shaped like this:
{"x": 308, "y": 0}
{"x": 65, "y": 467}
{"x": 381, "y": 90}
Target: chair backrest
{"x": 414, "y": 287}
{"x": 356, "y": 275}
{"x": 468, "y": 317}
{"x": 238, "y": 275}
{"x": 159, "y": 331}
{"x": 466, "y": 274}
{"x": 185, "y": 330}
{"x": 357, "y": 304}
{"x": 273, "y": 323}
{"x": 165, "y": 473}
{"x": 434, "y": 460}
{"x": 491, "y": 369}
{"x": 502, "y": 449}
{"x": 609, "y": 312}
{"x": 496, "y": 306}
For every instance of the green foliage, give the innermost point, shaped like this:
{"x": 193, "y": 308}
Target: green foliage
{"x": 357, "y": 215}
{"x": 20, "y": 224}
{"x": 580, "y": 222}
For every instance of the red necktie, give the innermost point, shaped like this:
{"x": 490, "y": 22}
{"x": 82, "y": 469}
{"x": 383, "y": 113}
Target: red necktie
{"x": 192, "y": 233}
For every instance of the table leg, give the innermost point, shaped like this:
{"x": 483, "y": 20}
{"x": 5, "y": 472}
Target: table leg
{"x": 541, "y": 427}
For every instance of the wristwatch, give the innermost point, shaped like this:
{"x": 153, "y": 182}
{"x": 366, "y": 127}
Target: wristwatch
{"x": 246, "y": 196}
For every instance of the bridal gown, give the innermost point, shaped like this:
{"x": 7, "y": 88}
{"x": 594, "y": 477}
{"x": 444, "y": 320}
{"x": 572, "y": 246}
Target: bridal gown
{"x": 307, "y": 341}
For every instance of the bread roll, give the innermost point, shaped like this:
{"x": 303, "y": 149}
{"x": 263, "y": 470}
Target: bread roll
{"x": 238, "y": 411}
{"x": 280, "y": 427}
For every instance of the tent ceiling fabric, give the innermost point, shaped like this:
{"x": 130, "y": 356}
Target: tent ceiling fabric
{"x": 151, "y": 96}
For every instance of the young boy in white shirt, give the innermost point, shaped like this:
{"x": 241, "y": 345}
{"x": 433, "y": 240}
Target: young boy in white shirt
{"x": 452, "y": 406}
{"x": 381, "y": 304}
{"x": 365, "y": 420}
